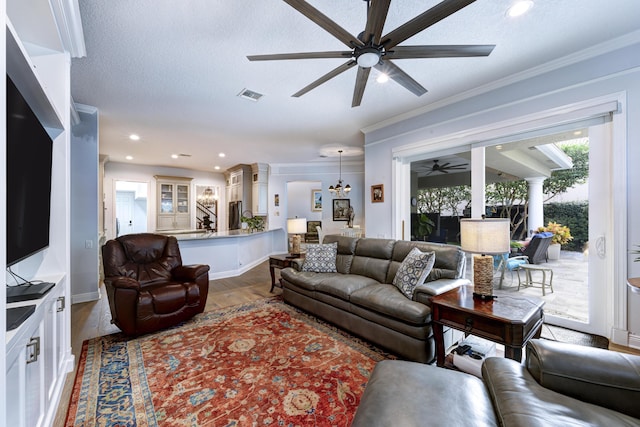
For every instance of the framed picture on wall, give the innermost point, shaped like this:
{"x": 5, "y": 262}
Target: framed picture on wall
{"x": 316, "y": 200}
{"x": 377, "y": 193}
{"x": 341, "y": 209}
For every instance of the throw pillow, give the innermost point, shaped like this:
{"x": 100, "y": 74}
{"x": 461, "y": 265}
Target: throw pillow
{"x": 413, "y": 271}
{"x": 321, "y": 258}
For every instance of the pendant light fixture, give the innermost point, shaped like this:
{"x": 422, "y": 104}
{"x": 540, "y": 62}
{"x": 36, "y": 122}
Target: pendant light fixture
{"x": 339, "y": 190}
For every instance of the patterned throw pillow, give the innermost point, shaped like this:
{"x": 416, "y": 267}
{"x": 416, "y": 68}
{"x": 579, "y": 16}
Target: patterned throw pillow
{"x": 321, "y": 258}
{"x": 413, "y": 271}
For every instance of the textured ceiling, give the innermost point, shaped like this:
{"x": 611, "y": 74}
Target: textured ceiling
{"x": 170, "y": 71}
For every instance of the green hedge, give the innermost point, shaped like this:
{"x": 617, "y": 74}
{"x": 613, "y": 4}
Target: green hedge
{"x": 574, "y": 215}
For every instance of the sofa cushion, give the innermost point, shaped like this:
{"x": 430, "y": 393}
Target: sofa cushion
{"x": 389, "y": 301}
{"x": 346, "y": 250}
{"x": 413, "y": 271}
{"x": 372, "y": 258}
{"x": 343, "y": 285}
{"x": 321, "y": 258}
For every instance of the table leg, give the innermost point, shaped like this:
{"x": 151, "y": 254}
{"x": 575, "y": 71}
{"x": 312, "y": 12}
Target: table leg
{"x": 273, "y": 277}
{"x": 438, "y": 336}
{"x": 514, "y": 353}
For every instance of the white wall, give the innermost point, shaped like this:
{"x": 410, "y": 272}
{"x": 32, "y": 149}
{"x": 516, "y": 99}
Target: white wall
{"x": 553, "y": 86}
{"x": 299, "y": 200}
{"x": 114, "y": 171}
{"x": 84, "y": 207}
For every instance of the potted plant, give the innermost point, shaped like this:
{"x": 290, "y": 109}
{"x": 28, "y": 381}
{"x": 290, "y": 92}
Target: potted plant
{"x": 515, "y": 246}
{"x": 255, "y": 223}
{"x": 425, "y": 226}
{"x": 561, "y": 235}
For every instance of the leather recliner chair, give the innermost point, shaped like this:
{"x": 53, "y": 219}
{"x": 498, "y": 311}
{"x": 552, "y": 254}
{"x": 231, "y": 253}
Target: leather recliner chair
{"x": 148, "y": 287}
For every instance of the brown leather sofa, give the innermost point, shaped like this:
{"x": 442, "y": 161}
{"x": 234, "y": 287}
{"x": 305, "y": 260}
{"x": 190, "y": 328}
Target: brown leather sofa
{"x": 361, "y": 299}
{"x": 558, "y": 384}
{"x": 148, "y": 287}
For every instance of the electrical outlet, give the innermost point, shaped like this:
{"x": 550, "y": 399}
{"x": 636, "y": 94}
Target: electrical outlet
{"x": 88, "y": 244}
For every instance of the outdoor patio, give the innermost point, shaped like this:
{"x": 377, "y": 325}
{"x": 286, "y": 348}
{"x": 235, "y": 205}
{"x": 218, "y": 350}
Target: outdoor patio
{"x": 569, "y": 296}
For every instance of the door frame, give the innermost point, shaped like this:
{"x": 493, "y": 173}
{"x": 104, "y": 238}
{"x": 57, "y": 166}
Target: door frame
{"x": 614, "y": 106}
{"x": 111, "y": 233}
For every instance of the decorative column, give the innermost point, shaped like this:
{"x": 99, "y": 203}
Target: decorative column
{"x": 536, "y": 211}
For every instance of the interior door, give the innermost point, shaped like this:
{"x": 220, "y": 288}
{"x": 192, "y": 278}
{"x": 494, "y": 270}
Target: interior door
{"x": 124, "y": 212}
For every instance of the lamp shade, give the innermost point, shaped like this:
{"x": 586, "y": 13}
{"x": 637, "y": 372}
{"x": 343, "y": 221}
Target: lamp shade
{"x": 297, "y": 225}
{"x": 485, "y": 236}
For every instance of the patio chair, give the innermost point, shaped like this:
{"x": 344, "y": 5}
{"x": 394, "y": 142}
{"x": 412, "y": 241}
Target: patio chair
{"x": 503, "y": 263}
{"x": 536, "y": 250}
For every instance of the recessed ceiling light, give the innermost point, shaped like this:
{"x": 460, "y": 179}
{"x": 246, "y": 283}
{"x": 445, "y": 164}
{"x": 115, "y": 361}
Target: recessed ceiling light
{"x": 134, "y": 137}
{"x": 498, "y": 147}
{"x": 217, "y": 168}
{"x": 578, "y": 132}
{"x": 174, "y": 156}
{"x": 221, "y": 155}
{"x": 519, "y": 8}
{"x": 129, "y": 157}
{"x": 382, "y": 78}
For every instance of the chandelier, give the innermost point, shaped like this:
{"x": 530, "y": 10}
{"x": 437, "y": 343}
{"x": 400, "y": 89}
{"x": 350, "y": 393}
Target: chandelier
{"x": 207, "y": 198}
{"x": 339, "y": 190}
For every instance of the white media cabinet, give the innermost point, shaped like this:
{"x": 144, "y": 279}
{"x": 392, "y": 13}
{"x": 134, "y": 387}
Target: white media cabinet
{"x": 36, "y": 357}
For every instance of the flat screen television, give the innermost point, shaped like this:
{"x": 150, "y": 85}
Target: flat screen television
{"x": 29, "y": 161}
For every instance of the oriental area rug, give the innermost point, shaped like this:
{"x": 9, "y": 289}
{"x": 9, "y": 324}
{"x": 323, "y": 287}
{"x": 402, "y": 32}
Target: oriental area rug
{"x": 264, "y": 364}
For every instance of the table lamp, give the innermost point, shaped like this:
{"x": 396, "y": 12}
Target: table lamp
{"x": 484, "y": 237}
{"x": 296, "y": 226}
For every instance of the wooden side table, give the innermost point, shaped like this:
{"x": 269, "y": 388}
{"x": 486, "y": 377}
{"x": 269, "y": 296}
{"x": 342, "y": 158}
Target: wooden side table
{"x": 280, "y": 261}
{"x": 508, "y": 320}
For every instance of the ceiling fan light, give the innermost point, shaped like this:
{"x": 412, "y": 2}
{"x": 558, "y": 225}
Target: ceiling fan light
{"x": 369, "y": 58}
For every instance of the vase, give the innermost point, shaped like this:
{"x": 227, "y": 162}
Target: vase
{"x": 554, "y": 251}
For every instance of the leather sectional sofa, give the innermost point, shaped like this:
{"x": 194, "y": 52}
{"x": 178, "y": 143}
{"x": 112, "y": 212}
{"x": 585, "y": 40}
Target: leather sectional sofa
{"x": 361, "y": 298}
{"x": 559, "y": 385}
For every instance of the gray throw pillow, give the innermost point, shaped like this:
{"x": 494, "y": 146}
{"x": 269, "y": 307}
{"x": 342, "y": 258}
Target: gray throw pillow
{"x": 321, "y": 258}
{"x": 413, "y": 271}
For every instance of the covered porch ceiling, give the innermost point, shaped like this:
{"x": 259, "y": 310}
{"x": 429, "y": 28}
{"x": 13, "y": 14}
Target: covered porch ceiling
{"x": 527, "y": 158}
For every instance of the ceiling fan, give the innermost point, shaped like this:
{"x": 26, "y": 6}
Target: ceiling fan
{"x": 372, "y": 49}
{"x": 445, "y": 168}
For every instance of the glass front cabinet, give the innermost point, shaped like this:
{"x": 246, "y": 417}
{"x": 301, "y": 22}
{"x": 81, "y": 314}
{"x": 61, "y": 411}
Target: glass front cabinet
{"x": 174, "y": 201}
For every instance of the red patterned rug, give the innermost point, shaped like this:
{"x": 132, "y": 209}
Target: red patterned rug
{"x": 265, "y": 363}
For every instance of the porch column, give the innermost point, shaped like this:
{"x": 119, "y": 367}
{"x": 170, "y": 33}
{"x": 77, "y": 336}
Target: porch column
{"x": 536, "y": 212}
{"x": 477, "y": 182}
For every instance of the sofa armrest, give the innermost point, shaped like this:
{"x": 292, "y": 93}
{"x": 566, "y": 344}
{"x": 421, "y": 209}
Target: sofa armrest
{"x": 427, "y": 290}
{"x": 601, "y": 377}
{"x": 189, "y": 272}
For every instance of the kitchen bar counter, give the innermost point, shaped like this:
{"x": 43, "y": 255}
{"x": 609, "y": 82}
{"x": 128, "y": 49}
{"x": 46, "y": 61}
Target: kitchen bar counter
{"x": 229, "y": 253}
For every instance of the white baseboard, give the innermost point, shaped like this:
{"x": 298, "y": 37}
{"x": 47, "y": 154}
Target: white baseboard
{"x": 86, "y": 297}
{"x": 634, "y": 341}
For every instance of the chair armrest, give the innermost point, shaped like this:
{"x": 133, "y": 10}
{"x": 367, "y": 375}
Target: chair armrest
{"x": 601, "y": 377}
{"x": 122, "y": 282}
{"x": 189, "y": 272}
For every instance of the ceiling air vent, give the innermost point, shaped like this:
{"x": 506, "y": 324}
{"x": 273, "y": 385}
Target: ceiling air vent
{"x": 250, "y": 95}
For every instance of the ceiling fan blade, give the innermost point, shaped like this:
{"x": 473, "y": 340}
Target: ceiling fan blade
{"x": 394, "y": 72}
{"x": 331, "y": 74}
{"x": 375, "y": 21}
{"x": 301, "y": 55}
{"x": 325, "y": 22}
{"x": 445, "y": 165}
{"x": 445, "y": 51}
{"x": 361, "y": 83}
{"x": 461, "y": 165}
{"x": 422, "y": 21}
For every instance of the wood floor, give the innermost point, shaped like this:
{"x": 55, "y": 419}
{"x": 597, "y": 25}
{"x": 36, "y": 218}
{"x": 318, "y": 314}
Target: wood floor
{"x": 93, "y": 319}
